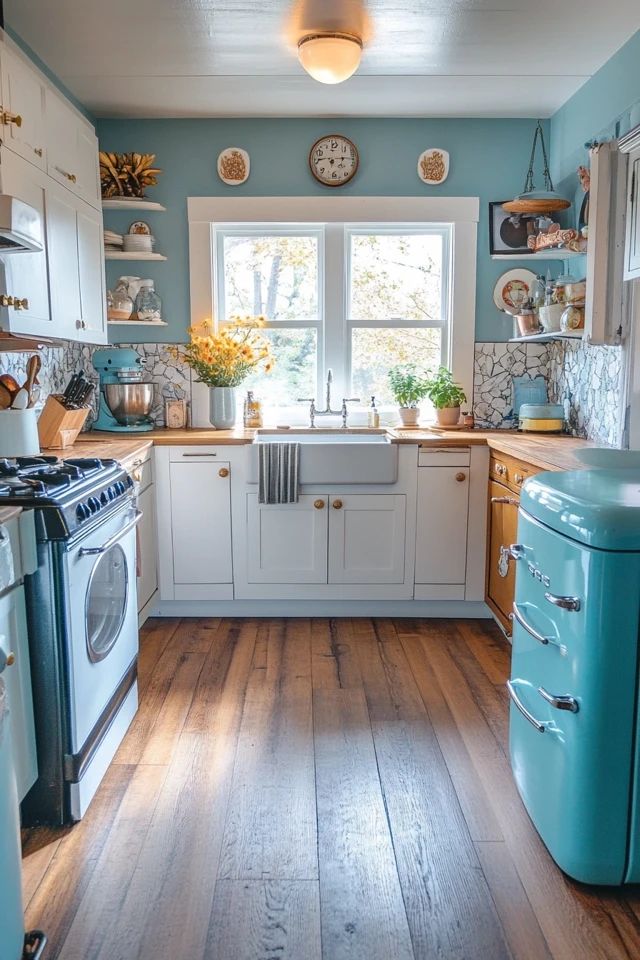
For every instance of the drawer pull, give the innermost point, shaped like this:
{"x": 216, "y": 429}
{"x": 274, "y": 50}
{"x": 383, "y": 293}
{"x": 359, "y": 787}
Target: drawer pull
{"x": 38, "y": 151}
{"x": 223, "y": 472}
{"x": 519, "y": 479}
{"x": 540, "y": 727}
{"x": 560, "y": 703}
{"x": 565, "y": 603}
{"x": 518, "y": 616}
{"x": 510, "y": 500}
{"x": 199, "y": 454}
{"x": 318, "y": 504}
{"x": 71, "y": 177}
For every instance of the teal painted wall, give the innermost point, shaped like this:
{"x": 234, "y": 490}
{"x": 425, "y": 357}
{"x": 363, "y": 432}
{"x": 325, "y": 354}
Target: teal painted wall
{"x": 606, "y": 106}
{"x": 488, "y": 159}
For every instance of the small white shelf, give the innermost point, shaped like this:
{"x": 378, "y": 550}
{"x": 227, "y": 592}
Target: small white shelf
{"x": 541, "y": 337}
{"x": 137, "y": 323}
{"x": 552, "y": 254}
{"x": 131, "y": 204}
{"x": 131, "y": 255}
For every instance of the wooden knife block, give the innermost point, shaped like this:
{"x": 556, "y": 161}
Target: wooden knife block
{"x": 59, "y": 427}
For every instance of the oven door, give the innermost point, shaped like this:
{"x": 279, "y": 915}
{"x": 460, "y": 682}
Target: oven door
{"x": 102, "y": 641}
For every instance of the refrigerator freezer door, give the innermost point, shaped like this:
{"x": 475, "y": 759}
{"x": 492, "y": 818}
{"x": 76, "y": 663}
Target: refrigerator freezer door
{"x": 575, "y": 776}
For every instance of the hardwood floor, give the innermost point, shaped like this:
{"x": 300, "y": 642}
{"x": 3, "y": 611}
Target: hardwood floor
{"x": 316, "y": 790}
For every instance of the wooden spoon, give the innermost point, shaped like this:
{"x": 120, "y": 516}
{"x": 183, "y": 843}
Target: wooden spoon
{"x": 10, "y": 383}
{"x": 5, "y": 396}
{"x": 33, "y": 369}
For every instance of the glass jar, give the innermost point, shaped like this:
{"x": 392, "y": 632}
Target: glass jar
{"x": 119, "y": 303}
{"x": 252, "y": 411}
{"x": 148, "y": 304}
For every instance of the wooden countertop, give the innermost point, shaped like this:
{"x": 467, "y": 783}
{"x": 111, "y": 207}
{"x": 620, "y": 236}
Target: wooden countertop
{"x": 555, "y": 452}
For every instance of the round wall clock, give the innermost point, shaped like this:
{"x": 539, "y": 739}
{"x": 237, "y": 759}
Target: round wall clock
{"x": 333, "y": 160}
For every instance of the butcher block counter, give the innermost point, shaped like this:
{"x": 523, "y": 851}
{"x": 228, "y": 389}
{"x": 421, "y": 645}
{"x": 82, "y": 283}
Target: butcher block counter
{"x": 557, "y": 452}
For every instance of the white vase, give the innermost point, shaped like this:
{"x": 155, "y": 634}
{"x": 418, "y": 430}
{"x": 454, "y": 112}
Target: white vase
{"x": 448, "y": 416}
{"x": 409, "y": 416}
{"x": 222, "y": 407}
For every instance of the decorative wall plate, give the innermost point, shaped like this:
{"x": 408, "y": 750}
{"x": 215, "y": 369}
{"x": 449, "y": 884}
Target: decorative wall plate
{"x": 512, "y": 289}
{"x": 333, "y": 160}
{"x": 140, "y": 228}
{"x": 433, "y": 166}
{"x": 234, "y": 165}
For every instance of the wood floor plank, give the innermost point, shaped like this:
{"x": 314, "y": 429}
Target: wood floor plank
{"x": 107, "y": 889}
{"x": 39, "y": 849}
{"x": 522, "y": 930}
{"x": 387, "y": 680}
{"x": 362, "y": 911}
{"x": 228, "y": 664}
{"x": 476, "y": 807}
{"x": 271, "y": 823}
{"x": 450, "y": 909}
{"x": 489, "y": 647}
{"x": 195, "y": 634}
{"x": 165, "y": 915}
{"x": 335, "y": 664}
{"x": 54, "y": 904}
{"x": 155, "y": 636}
{"x": 167, "y": 726}
{"x": 570, "y": 930}
{"x": 265, "y": 919}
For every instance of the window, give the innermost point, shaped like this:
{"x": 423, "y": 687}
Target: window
{"x": 351, "y": 297}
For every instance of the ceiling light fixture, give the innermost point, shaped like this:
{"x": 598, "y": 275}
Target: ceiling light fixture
{"x": 534, "y": 201}
{"x": 330, "y": 57}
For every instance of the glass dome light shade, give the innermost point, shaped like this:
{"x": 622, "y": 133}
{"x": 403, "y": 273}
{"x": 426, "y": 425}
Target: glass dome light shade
{"x": 330, "y": 57}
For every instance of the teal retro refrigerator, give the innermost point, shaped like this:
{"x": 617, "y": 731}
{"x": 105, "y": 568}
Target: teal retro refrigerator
{"x": 574, "y": 717}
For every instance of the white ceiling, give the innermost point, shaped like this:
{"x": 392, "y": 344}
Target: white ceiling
{"x": 197, "y": 58}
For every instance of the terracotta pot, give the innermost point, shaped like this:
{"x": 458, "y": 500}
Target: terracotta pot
{"x": 448, "y": 416}
{"x": 409, "y": 416}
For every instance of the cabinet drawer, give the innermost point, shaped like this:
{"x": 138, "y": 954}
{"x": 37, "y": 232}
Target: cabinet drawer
{"x": 141, "y": 470}
{"x": 444, "y": 457}
{"x": 195, "y": 454}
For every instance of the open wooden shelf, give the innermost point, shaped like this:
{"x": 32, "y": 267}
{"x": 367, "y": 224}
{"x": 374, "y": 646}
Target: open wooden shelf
{"x": 132, "y": 255}
{"x": 134, "y": 203}
{"x": 542, "y": 337}
{"x": 552, "y": 254}
{"x": 137, "y": 323}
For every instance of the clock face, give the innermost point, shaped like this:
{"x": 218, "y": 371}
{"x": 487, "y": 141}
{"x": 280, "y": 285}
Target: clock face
{"x": 333, "y": 160}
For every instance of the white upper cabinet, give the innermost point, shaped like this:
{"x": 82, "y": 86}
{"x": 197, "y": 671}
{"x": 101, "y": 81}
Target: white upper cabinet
{"x": 72, "y": 149}
{"x": 23, "y": 276}
{"x": 93, "y": 303}
{"x": 630, "y": 144}
{"x": 23, "y": 128}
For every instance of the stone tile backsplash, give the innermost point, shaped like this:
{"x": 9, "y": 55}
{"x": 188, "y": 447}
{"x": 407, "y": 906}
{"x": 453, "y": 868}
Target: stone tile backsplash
{"x": 591, "y": 378}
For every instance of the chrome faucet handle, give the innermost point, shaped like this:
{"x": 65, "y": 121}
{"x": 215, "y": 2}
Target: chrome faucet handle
{"x": 312, "y": 408}
{"x": 344, "y": 411}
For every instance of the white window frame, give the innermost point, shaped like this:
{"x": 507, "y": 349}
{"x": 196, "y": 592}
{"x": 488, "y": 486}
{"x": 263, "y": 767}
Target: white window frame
{"x": 337, "y": 215}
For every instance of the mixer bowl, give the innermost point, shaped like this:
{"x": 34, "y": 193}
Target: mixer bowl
{"x": 130, "y": 403}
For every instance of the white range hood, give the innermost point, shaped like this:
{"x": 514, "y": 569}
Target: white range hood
{"x": 20, "y": 226}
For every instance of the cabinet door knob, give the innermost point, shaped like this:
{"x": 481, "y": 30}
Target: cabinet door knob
{"x": 6, "y": 301}
{"x": 71, "y": 177}
{"x": 318, "y": 504}
{"x": 11, "y": 659}
{"x": 223, "y": 472}
{"x": 518, "y": 478}
{"x": 37, "y": 151}
{"x": 8, "y": 117}
{"x": 337, "y": 504}
{"x": 461, "y": 477}
{"x": 20, "y": 304}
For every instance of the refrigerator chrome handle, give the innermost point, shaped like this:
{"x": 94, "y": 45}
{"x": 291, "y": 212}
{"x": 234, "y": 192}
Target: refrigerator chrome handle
{"x": 560, "y": 703}
{"x": 517, "y": 551}
{"x": 540, "y": 727}
{"x": 518, "y": 616}
{"x": 565, "y": 603}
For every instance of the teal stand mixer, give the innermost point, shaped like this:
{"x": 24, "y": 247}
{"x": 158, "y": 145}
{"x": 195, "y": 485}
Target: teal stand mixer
{"x": 125, "y": 398}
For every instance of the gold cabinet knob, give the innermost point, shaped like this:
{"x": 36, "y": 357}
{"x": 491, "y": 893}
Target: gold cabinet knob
{"x": 71, "y": 177}
{"x": 223, "y": 472}
{"x": 38, "y": 151}
{"x": 318, "y": 504}
{"x": 337, "y": 504}
{"x": 6, "y": 301}
{"x": 461, "y": 477}
{"x": 8, "y": 117}
{"x": 20, "y": 304}
{"x": 518, "y": 478}
{"x": 11, "y": 659}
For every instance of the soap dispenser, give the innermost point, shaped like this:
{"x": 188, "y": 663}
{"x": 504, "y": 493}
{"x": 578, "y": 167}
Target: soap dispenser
{"x": 373, "y": 419}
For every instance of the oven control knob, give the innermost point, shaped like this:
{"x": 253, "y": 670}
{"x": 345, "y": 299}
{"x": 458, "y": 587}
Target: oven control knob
{"x": 104, "y": 499}
{"x": 94, "y": 504}
{"x": 82, "y": 511}
{"x": 120, "y": 488}
{"x": 111, "y": 493}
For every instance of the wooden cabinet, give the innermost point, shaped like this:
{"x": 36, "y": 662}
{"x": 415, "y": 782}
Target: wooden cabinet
{"x": 441, "y": 534}
{"x": 23, "y": 125}
{"x": 367, "y": 538}
{"x": 24, "y": 276}
{"x": 76, "y": 267}
{"x": 201, "y": 521}
{"x": 72, "y": 149}
{"x": 287, "y": 543}
{"x": 506, "y": 476}
{"x": 17, "y": 677}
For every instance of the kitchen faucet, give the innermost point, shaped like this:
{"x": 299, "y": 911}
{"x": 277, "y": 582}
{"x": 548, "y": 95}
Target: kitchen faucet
{"x": 328, "y": 412}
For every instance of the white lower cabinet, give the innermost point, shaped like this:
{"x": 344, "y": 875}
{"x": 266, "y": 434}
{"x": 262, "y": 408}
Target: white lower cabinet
{"x": 14, "y": 640}
{"x": 287, "y": 543}
{"x": 367, "y": 538}
{"x": 441, "y": 530}
{"x": 147, "y": 581}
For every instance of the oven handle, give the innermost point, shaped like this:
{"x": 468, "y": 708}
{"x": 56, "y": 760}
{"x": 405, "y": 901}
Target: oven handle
{"x": 96, "y": 551}
{"x": 540, "y": 727}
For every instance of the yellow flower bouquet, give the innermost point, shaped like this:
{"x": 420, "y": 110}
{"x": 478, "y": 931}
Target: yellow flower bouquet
{"x": 226, "y": 358}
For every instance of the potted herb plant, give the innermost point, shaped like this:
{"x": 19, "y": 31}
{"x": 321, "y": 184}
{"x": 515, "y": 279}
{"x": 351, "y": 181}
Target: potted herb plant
{"x": 408, "y": 387}
{"x": 224, "y": 359}
{"x": 446, "y": 396}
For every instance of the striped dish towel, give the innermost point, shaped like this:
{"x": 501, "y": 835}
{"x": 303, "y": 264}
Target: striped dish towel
{"x": 279, "y": 465}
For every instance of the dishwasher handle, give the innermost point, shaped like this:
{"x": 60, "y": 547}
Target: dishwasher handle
{"x": 539, "y": 726}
